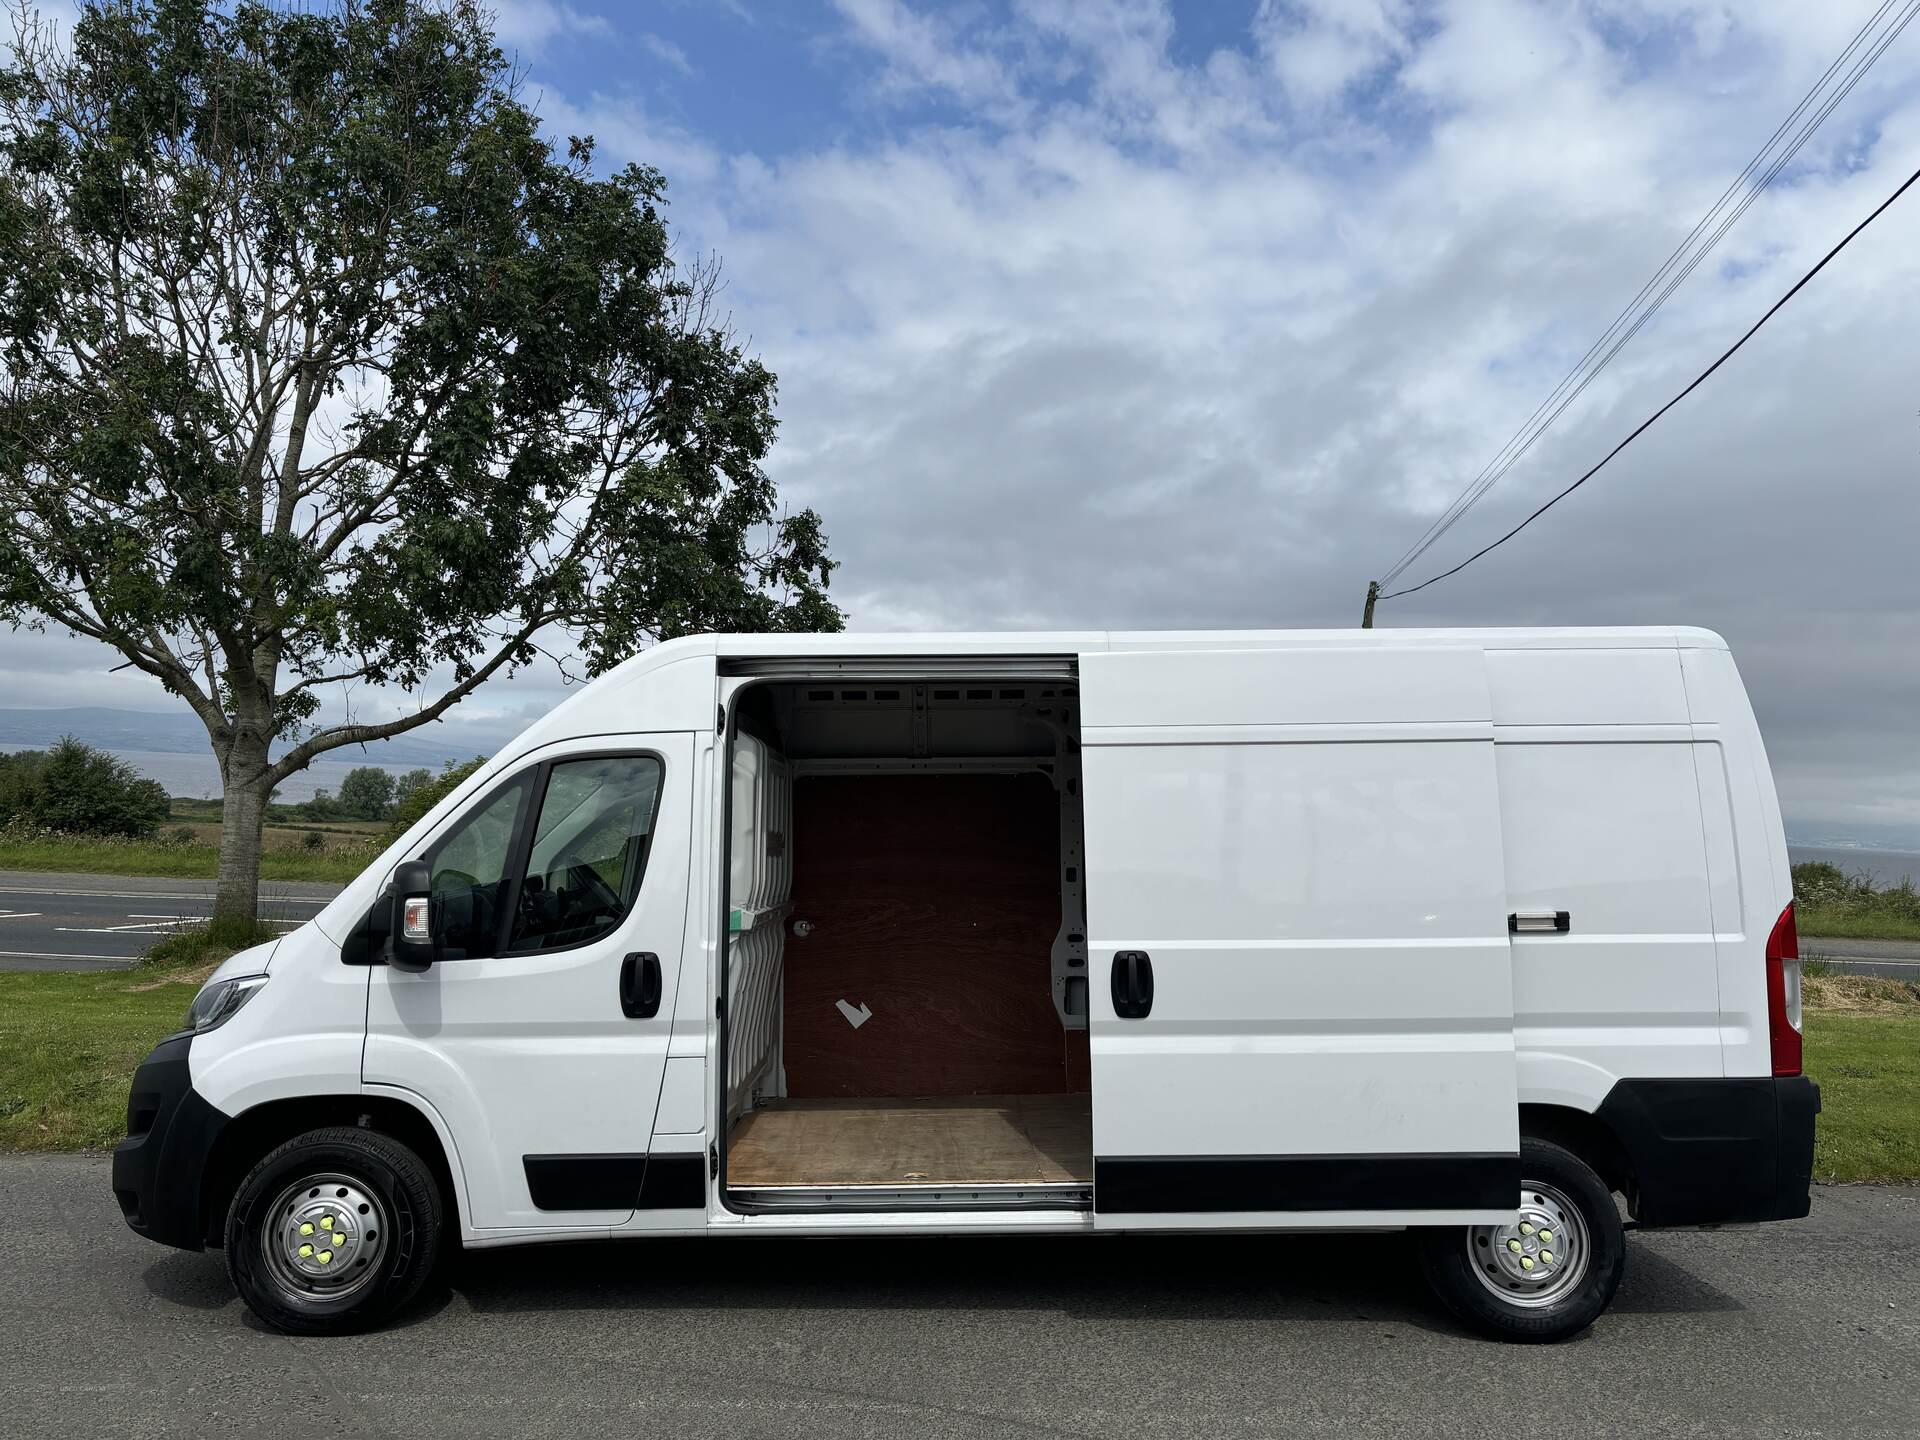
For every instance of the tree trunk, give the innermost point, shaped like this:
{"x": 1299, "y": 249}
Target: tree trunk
{"x": 243, "y": 810}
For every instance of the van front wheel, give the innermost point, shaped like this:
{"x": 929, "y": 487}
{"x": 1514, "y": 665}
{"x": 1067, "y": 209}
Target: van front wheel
{"x": 1544, "y": 1275}
{"x": 333, "y": 1231}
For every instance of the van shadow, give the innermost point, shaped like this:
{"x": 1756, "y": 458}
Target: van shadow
{"x": 1302, "y": 1278}
{"x": 1306, "y": 1278}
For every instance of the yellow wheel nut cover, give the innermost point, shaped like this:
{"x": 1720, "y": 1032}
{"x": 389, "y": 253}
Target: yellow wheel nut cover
{"x": 1546, "y": 1236}
{"x": 1525, "y": 1263}
{"x": 1547, "y": 1255}
{"x": 305, "y": 1251}
{"x": 306, "y": 1229}
{"x": 1514, "y": 1245}
{"x": 325, "y": 1257}
{"x": 326, "y": 1222}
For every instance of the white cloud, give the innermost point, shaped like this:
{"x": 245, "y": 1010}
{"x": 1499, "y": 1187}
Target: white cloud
{"x": 530, "y": 26}
{"x": 1123, "y": 341}
{"x": 667, "y": 53}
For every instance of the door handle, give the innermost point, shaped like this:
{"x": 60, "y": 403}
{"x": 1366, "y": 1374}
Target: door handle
{"x": 1132, "y": 984}
{"x": 640, "y": 985}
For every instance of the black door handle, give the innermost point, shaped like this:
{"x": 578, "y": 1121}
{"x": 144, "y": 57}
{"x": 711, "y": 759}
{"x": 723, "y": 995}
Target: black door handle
{"x": 640, "y": 985}
{"x": 1132, "y": 984}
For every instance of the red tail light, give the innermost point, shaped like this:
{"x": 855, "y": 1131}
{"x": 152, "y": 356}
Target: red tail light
{"x": 1783, "y": 993}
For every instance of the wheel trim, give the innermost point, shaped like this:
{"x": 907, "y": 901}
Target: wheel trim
{"x": 323, "y": 1239}
{"x": 1538, "y": 1258}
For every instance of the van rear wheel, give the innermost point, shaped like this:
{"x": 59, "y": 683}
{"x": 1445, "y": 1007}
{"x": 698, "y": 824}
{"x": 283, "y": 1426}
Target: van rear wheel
{"x": 333, "y": 1231}
{"x": 1544, "y": 1275}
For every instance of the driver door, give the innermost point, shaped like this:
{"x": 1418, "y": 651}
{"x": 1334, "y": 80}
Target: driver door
{"x": 540, "y": 1033}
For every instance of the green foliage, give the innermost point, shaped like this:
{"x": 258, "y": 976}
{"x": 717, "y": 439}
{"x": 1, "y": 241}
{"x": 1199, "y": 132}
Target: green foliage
{"x": 421, "y": 798}
{"x": 320, "y": 365}
{"x": 404, "y": 785}
{"x": 24, "y": 847}
{"x": 367, "y": 793}
{"x": 1830, "y": 902}
{"x": 78, "y": 790}
{"x": 313, "y": 842}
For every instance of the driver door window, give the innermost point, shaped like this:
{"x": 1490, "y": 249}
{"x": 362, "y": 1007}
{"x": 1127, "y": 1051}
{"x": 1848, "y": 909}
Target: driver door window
{"x": 516, "y": 877}
{"x": 589, "y": 850}
{"x": 471, "y": 876}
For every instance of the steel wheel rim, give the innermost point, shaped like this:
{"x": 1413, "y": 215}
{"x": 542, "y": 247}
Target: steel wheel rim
{"x": 1539, "y": 1257}
{"x": 322, "y": 1239}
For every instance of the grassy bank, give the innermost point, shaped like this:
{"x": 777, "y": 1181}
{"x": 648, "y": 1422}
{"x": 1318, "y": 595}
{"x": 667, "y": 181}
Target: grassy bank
{"x": 1863, "y": 1046}
{"x": 1828, "y": 901}
{"x": 339, "y": 859}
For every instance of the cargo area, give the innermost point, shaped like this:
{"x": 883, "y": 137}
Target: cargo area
{"x": 906, "y": 956}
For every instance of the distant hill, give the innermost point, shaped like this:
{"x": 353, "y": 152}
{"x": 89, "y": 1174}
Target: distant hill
{"x": 179, "y": 732}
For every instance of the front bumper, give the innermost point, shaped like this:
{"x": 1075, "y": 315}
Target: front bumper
{"x": 159, "y": 1169}
{"x": 1716, "y": 1152}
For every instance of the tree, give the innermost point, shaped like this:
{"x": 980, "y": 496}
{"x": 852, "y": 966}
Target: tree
{"x": 83, "y": 791}
{"x": 405, "y": 784}
{"x": 419, "y": 799}
{"x": 367, "y": 792}
{"x": 319, "y": 366}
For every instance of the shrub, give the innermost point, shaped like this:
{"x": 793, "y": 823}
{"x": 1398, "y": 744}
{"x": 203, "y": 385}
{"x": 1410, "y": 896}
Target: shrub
{"x": 79, "y": 790}
{"x": 180, "y": 835}
{"x": 314, "y": 841}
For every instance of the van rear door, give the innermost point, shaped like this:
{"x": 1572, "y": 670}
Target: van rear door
{"x": 1300, "y": 985}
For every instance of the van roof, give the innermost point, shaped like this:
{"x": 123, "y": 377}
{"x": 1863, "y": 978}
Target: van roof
{"x": 881, "y": 642}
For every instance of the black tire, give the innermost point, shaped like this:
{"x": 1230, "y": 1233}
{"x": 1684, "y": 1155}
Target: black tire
{"x": 396, "y": 1225}
{"x": 1454, "y": 1257}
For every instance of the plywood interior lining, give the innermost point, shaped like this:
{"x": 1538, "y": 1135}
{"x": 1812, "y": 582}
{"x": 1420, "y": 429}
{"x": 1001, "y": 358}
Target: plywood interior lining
{"x": 933, "y": 1140}
{"x": 932, "y": 902}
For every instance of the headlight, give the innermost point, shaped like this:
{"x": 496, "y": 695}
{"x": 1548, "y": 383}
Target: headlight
{"x": 217, "y": 1003}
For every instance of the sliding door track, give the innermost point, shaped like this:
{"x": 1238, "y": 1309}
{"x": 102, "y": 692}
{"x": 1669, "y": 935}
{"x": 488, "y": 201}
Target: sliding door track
{"x": 872, "y": 1199}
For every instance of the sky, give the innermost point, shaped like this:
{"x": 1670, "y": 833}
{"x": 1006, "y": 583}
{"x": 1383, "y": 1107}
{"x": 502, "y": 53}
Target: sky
{"x": 1163, "y": 315}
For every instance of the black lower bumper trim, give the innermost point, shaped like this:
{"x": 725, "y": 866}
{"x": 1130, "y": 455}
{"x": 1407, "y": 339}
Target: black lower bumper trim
{"x": 1716, "y": 1151}
{"x": 159, "y": 1168}
{"x": 1177, "y": 1184}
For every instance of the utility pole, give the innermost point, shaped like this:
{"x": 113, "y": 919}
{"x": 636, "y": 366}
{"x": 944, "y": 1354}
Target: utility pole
{"x": 1373, "y": 594}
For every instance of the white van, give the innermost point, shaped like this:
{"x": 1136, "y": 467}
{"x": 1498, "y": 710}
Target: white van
{"x": 1463, "y": 932}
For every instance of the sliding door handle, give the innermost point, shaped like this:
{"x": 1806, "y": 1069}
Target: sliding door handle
{"x": 1132, "y": 984}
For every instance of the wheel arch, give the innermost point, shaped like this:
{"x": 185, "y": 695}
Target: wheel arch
{"x": 251, "y": 1134}
{"x": 1587, "y": 1136}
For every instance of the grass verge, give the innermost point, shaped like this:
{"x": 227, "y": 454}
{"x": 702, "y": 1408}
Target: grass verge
{"x": 193, "y": 860}
{"x": 1863, "y": 1046}
{"x": 69, "y": 1043}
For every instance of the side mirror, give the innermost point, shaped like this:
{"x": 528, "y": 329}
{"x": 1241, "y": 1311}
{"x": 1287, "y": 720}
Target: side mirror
{"x": 411, "y": 943}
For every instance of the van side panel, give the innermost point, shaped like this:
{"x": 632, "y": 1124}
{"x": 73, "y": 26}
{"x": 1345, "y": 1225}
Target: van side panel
{"x": 1609, "y": 831}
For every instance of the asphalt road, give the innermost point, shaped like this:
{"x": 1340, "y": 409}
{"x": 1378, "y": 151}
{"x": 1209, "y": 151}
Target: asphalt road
{"x": 1808, "y": 1328}
{"x": 104, "y": 922}
{"x": 1897, "y": 959}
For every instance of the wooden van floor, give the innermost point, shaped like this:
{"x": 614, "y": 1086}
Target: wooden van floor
{"x": 945, "y": 1140}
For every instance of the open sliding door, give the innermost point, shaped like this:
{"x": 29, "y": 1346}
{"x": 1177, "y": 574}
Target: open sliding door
{"x": 1300, "y": 986}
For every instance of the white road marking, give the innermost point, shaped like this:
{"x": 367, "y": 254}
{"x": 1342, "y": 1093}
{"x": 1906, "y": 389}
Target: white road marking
{"x": 160, "y": 895}
{"x": 58, "y": 955}
{"x": 855, "y": 1018}
{"x": 18, "y": 914}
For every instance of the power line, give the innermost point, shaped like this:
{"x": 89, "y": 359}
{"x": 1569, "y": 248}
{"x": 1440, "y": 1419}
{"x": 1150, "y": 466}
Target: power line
{"x": 1698, "y": 380}
{"x": 1669, "y": 278}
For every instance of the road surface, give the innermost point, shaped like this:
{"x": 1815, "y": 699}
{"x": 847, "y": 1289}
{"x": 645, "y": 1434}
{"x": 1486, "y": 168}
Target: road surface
{"x": 1807, "y": 1328}
{"x": 1897, "y": 959}
{"x": 104, "y": 922}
